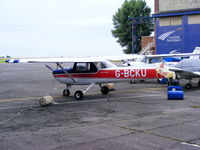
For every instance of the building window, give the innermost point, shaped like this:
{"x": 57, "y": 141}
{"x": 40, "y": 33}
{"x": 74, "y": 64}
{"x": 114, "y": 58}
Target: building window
{"x": 194, "y": 19}
{"x": 171, "y": 21}
{"x": 165, "y": 21}
{"x": 176, "y": 21}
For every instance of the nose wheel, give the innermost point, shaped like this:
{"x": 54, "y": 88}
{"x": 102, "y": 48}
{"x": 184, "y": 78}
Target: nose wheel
{"x": 104, "y": 90}
{"x": 78, "y": 95}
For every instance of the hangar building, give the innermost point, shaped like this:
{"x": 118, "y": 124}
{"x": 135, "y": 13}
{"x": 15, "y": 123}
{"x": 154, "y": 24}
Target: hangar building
{"x": 177, "y": 25}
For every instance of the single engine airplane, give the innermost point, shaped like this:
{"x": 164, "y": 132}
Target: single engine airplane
{"x": 187, "y": 68}
{"x": 89, "y": 71}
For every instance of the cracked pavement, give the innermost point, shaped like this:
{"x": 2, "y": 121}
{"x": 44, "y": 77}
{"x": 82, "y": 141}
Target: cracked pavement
{"x": 134, "y": 116}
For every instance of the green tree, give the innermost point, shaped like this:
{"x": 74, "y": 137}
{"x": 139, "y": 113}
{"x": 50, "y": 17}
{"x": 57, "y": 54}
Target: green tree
{"x": 123, "y": 24}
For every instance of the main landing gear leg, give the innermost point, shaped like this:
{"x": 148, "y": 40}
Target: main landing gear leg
{"x": 79, "y": 94}
{"x": 66, "y": 92}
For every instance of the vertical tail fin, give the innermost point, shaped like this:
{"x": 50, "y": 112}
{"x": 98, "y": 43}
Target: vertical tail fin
{"x": 196, "y": 50}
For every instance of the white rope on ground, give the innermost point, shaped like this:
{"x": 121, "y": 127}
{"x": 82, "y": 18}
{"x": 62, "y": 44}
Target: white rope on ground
{"x": 17, "y": 115}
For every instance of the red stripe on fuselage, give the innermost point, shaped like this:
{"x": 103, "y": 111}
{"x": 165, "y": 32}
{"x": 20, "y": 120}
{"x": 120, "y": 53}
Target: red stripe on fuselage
{"x": 121, "y": 73}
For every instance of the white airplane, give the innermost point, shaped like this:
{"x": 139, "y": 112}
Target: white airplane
{"x": 187, "y": 68}
{"x": 150, "y": 59}
{"x": 89, "y": 71}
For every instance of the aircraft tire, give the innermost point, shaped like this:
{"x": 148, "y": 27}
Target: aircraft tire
{"x": 78, "y": 95}
{"x": 66, "y": 92}
{"x": 199, "y": 83}
{"x": 158, "y": 80}
{"x": 188, "y": 86}
{"x": 132, "y": 82}
{"x": 104, "y": 90}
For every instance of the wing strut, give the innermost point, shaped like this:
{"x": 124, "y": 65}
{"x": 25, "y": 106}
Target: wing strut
{"x": 49, "y": 67}
{"x": 66, "y": 72}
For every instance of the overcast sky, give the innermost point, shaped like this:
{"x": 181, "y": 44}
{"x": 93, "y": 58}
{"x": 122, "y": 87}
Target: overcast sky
{"x": 54, "y": 28}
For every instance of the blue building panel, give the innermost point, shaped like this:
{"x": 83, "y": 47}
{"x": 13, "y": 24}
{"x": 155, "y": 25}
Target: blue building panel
{"x": 180, "y": 38}
{"x": 169, "y": 38}
{"x": 192, "y": 36}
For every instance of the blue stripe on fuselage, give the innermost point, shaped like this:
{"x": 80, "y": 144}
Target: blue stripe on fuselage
{"x": 7, "y": 61}
{"x": 60, "y": 71}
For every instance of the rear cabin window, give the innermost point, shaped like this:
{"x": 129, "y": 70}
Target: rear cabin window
{"x": 84, "y": 67}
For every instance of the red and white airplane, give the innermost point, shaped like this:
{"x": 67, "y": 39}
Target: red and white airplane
{"x": 89, "y": 71}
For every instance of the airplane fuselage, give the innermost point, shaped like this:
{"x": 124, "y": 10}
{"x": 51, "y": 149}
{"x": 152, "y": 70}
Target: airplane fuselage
{"x": 107, "y": 75}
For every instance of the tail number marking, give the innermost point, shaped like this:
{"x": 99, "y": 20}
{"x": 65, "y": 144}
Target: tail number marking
{"x": 131, "y": 73}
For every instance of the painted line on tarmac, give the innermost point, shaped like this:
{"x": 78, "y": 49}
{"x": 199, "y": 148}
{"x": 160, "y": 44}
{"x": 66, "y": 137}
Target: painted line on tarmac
{"x": 155, "y": 92}
{"x": 105, "y": 99}
{"x": 16, "y": 107}
{"x": 19, "y": 99}
{"x": 91, "y": 93}
{"x": 126, "y": 91}
{"x": 194, "y": 145}
{"x": 84, "y": 101}
{"x": 140, "y": 90}
{"x": 23, "y": 99}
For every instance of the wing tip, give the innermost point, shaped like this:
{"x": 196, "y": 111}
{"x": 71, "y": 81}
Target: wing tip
{"x": 12, "y": 61}
{"x": 7, "y": 60}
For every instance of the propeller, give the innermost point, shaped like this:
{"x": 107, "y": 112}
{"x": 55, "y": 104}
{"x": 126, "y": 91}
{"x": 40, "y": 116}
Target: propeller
{"x": 163, "y": 70}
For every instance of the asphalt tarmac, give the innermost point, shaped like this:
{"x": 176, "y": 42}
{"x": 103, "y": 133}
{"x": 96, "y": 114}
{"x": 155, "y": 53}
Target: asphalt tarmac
{"x": 133, "y": 117}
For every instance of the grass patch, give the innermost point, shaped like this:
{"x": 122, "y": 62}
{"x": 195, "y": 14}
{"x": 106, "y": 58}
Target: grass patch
{"x": 2, "y": 60}
{"x": 195, "y": 106}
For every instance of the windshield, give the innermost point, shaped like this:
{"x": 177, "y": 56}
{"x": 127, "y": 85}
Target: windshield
{"x": 108, "y": 64}
{"x": 104, "y": 64}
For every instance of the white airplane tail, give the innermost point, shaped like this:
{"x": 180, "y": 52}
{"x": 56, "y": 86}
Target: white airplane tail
{"x": 196, "y": 50}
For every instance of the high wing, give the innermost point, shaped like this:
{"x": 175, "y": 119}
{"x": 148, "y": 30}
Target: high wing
{"x": 124, "y": 57}
{"x": 53, "y": 60}
{"x": 95, "y": 59}
{"x": 195, "y": 53}
{"x": 172, "y": 55}
{"x": 146, "y": 58}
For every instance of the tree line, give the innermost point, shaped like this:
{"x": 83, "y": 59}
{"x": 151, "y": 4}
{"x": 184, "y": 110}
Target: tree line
{"x": 126, "y": 28}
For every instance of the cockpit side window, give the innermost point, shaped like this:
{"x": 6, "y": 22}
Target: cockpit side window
{"x": 100, "y": 65}
{"x": 82, "y": 66}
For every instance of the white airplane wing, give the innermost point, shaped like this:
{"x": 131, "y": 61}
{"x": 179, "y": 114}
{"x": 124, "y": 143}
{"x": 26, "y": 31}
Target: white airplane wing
{"x": 124, "y": 57}
{"x": 52, "y": 60}
{"x": 172, "y": 55}
{"x": 184, "y": 73}
{"x": 141, "y": 57}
